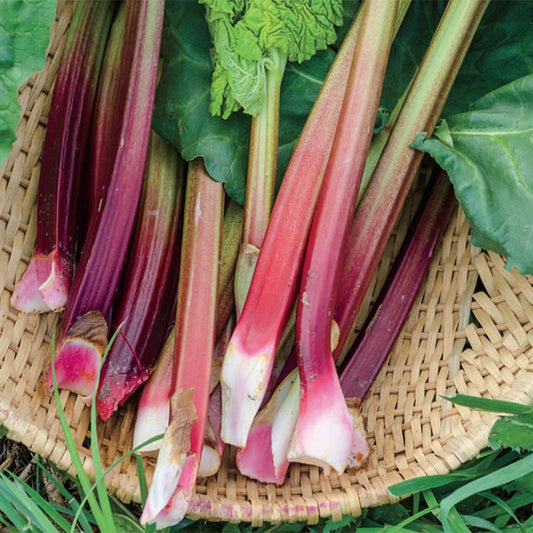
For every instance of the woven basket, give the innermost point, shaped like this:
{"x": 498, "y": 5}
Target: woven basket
{"x": 413, "y": 431}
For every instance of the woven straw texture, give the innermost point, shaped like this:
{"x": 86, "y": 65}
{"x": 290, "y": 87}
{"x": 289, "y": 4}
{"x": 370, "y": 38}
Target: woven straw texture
{"x": 412, "y": 430}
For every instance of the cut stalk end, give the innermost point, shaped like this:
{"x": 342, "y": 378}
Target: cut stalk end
{"x": 323, "y": 433}
{"x": 244, "y": 380}
{"x": 44, "y": 285}
{"x": 170, "y": 463}
{"x": 360, "y": 450}
{"x": 175, "y": 511}
{"x": 80, "y": 354}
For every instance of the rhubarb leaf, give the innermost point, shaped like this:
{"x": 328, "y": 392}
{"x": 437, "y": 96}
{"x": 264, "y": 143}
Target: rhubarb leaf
{"x": 488, "y": 154}
{"x": 245, "y": 33}
{"x": 186, "y": 122}
{"x": 24, "y": 36}
{"x": 181, "y": 112}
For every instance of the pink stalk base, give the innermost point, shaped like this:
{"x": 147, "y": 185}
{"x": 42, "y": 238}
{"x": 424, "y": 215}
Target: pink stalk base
{"x": 44, "y": 285}
{"x": 80, "y": 355}
{"x": 153, "y": 411}
{"x": 255, "y": 460}
{"x": 323, "y": 433}
{"x": 265, "y": 455}
{"x": 244, "y": 379}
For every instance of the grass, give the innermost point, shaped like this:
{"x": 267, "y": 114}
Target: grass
{"x": 492, "y": 493}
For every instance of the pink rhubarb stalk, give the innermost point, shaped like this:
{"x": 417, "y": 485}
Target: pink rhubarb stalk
{"x": 150, "y": 282}
{"x": 250, "y": 355}
{"x": 104, "y": 251}
{"x": 179, "y": 457}
{"x": 380, "y": 207}
{"x": 45, "y": 284}
{"x": 323, "y": 432}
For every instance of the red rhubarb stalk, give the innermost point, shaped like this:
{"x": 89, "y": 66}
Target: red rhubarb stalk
{"x": 150, "y": 282}
{"x": 380, "y": 207}
{"x": 45, "y": 284}
{"x": 250, "y": 355}
{"x": 179, "y": 457}
{"x": 323, "y": 431}
{"x": 394, "y": 303}
{"x": 104, "y": 251}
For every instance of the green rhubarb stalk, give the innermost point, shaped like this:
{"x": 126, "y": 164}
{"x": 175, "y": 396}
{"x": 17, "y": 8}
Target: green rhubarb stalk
{"x": 179, "y": 457}
{"x": 261, "y": 178}
{"x": 380, "y": 207}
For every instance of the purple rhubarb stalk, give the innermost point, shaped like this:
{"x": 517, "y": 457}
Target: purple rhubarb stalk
{"x": 380, "y": 207}
{"x": 179, "y": 457}
{"x": 45, "y": 284}
{"x": 104, "y": 251}
{"x": 323, "y": 432}
{"x": 150, "y": 281}
{"x": 395, "y": 300}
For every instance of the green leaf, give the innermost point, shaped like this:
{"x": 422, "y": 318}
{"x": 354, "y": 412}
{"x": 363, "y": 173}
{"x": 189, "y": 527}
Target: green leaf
{"x": 501, "y": 51}
{"x": 244, "y": 34}
{"x": 181, "y": 112}
{"x": 514, "y": 432}
{"x": 24, "y": 36}
{"x": 186, "y": 122}
{"x": 489, "y": 165}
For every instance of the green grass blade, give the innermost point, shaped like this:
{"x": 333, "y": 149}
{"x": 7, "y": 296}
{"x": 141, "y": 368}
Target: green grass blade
{"x": 500, "y": 477}
{"x": 9, "y": 510}
{"x": 42, "y": 505}
{"x": 108, "y": 524}
{"x": 504, "y": 506}
{"x": 480, "y": 523}
{"x": 115, "y": 464}
{"x": 25, "y": 503}
{"x": 70, "y": 499}
{"x": 143, "y": 485}
{"x": 72, "y": 448}
{"x": 454, "y": 522}
{"x": 488, "y": 405}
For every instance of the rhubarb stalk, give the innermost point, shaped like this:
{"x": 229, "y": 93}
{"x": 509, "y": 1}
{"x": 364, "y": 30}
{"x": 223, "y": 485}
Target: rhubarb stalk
{"x": 323, "y": 432}
{"x": 150, "y": 281}
{"x": 179, "y": 457}
{"x": 108, "y": 236}
{"x": 250, "y": 355}
{"x": 45, "y": 284}
{"x": 261, "y": 178}
{"x": 380, "y": 207}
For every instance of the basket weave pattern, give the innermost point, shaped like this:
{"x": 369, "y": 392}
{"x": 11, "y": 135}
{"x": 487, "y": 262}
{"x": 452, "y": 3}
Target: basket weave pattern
{"x": 412, "y": 430}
